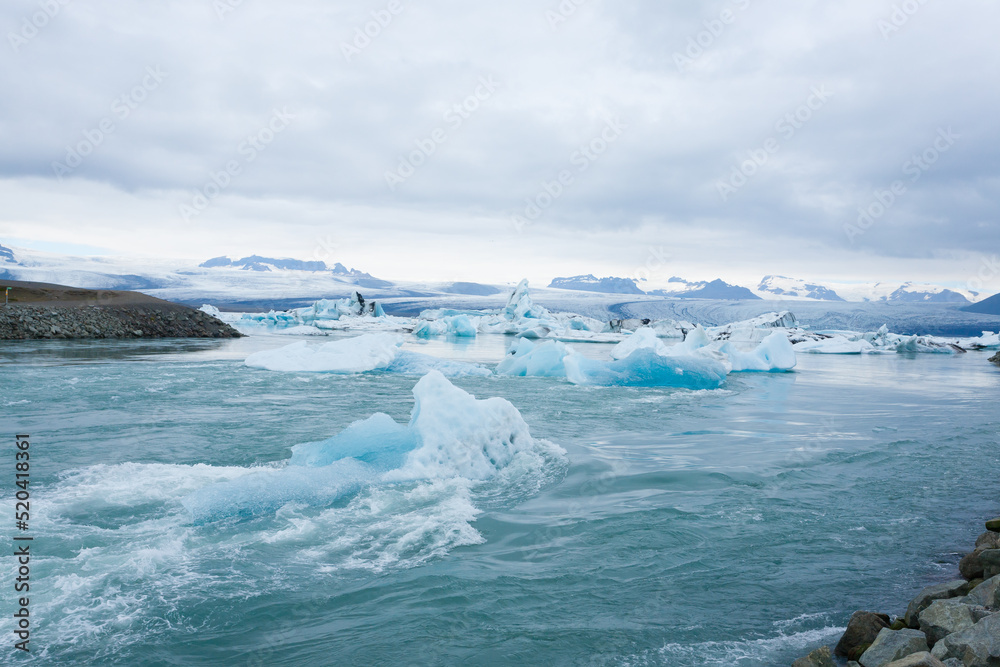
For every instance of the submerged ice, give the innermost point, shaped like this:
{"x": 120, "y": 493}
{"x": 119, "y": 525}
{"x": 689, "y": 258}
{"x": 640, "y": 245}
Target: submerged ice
{"x": 451, "y": 435}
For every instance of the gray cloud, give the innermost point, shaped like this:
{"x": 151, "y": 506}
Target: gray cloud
{"x": 559, "y": 83}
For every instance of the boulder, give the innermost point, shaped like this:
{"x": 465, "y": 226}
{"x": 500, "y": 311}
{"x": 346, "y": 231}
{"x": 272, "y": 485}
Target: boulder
{"x": 862, "y": 629}
{"x": 978, "y": 646}
{"x": 923, "y": 659}
{"x": 950, "y": 589}
{"x": 893, "y": 645}
{"x": 821, "y": 657}
{"x": 971, "y": 566}
{"x": 990, "y": 559}
{"x": 993, "y": 524}
{"x": 943, "y": 617}
{"x": 986, "y": 594}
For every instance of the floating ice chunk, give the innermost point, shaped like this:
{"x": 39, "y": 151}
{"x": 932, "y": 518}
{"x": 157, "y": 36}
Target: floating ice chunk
{"x": 696, "y": 339}
{"x": 350, "y": 355}
{"x": 211, "y": 310}
{"x": 378, "y": 441}
{"x": 451, "y": 436}
{"x": 835, "y": 345}
{"x": 645, "y": 368}
{"x": 642, "y": 338}
{"x": 451, "y": 325}
{"x": 300, "y": 330}
{"x": 775, "y": 353}
{"x": 368, "y": 352}
{"x": 520, "y": 306}
{"x": 923, "y": 344}
{"x": 414, "y": 363}
{"x": 465, "y": 437}
{"x": 528, "y": 359}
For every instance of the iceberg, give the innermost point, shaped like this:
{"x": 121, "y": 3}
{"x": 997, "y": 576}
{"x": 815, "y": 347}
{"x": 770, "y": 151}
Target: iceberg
{"x": 351, "y": 355}
{"x": 451, "y": 435}
{"x": 368, "y": 352}
{"x": 835, "y": 345}
{"x": 519, "y": 305}
{"x": 641, "y": 367}
{"x": 642, "y": 338}
{"x": 528, "y": 359}
{"x": 775, "y": 353}
{"x": 450, "y": 325}
{"x": 645, "y": 368}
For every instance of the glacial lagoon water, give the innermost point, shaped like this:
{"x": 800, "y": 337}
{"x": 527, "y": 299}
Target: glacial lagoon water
{"x": 738, "y": 526}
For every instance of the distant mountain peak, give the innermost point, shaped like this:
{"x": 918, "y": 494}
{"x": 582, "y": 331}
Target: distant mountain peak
{"x": 591, "y": 283}
{"x": 792, "y": 287}
{"x": 6, "y": 254}
{"x": 715, "y": 289}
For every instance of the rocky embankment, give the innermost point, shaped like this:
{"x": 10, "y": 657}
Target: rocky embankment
{"x": 954, "y": 624}
{"x": 43, "y": 310}
{"x": 41, "y": 322}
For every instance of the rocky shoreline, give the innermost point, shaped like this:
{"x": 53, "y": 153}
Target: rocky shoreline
{"x": 953, "y": 624}
{"x": 39, "y": 322}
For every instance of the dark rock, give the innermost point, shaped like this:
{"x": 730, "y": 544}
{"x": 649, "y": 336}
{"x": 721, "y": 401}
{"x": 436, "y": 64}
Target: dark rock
{"x": 819, "y": 658}
{"x": 863, "y": 628}
{"x": 993, "y": 525}
{"x": 950, "y": 589}
{"x": 990, "y": 558}
{"x": 996, "y": 360}
{"x": 893, "y": 645}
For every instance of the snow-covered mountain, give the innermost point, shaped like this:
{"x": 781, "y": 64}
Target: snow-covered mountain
{"x": 715, "y": 289}
{"x": 678, "y": 289}
{"x": 271, "y": 264}
{"x": 793, "y": 288}
{"x": 6, "y": 255}
{"x": 907, "y": 292}
{"x": 589, "y": 283}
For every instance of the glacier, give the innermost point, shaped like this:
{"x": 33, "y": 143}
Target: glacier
{"x": 451, "y": 435}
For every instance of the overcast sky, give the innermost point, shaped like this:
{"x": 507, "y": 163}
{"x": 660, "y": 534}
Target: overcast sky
{"x": 714, "y": 139}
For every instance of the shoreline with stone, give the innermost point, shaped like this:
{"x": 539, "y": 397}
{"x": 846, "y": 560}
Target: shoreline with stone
{"x": 952, "y": 624}
{"x": 42, "y": 311}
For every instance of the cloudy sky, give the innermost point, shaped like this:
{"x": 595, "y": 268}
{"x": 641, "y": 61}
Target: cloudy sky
{"x": 485, "y": 141}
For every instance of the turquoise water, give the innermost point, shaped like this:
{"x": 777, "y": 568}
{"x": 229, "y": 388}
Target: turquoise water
{"x": 738, "y": 526}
